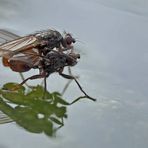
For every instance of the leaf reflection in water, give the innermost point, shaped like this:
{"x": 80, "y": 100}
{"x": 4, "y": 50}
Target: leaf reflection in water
{"x": 30, "y": 110}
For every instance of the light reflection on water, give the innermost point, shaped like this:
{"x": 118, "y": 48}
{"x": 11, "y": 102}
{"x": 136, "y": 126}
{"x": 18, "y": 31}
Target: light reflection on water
{"x": 113, "y": 69}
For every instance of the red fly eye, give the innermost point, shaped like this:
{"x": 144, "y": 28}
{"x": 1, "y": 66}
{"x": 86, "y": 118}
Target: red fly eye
{"x": 69, "y": 40}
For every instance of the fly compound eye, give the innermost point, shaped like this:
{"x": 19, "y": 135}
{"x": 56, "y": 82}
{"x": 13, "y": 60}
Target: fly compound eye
{"x": 69, "y": 39}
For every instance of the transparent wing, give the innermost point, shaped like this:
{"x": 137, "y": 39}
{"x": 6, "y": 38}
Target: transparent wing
{"x": 31, "y": 57}
{"x": 13, "y": 46}
{"x": 6, "y": 36}
{"x": 16, "y": 46}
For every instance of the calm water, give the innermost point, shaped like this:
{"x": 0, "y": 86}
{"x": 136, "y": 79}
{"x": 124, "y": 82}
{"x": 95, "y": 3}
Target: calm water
{"x": 113, "y": 68}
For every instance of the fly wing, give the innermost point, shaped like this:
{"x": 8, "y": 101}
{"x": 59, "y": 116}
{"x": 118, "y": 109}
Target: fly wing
{"x": 6, "y": 36}
{"x": 15, "y": 44}
{"x": 23, "y": 62}
{"x": 14, "y": 47}
{"x": 18, "y": 45}
{"x": 31, "y": 58}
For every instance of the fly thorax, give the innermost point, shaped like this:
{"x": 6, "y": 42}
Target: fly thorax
{"x": 49, "y": 38}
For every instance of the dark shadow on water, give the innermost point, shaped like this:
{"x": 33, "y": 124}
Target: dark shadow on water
{"x": 33, "y": 109}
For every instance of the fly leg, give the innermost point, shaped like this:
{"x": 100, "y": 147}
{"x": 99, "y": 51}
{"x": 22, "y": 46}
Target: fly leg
{"x": 33, "y": 77}
{"x": 85, "y": 94}
{"x": 45, "y": 87}
{"x": 38, "y": 77}
{"x": 69, "y": 81}
{"x": 30, "y": 78}
{"x": 23, "y": 78}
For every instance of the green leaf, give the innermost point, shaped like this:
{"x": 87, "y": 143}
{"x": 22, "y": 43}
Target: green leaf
{"x": 28, "y": 104}
{"x": 15, "y": 98}
{"x": 56, "y": 120}
{"x": 39, "y": 93}
{"x": 61, "y": 101}
{"x": 60, "y": 111}
{"x": 13, "y": 86}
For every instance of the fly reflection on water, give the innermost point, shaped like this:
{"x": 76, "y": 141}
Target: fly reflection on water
{"x": 34, "y": 108}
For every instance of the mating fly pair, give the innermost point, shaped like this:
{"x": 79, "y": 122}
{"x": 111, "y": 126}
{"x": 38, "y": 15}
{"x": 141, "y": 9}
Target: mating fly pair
{"x": 47, "y": 51}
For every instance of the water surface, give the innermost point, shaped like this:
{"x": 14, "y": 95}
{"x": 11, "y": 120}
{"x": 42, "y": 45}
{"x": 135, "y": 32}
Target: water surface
{"x": 113, "y": 68}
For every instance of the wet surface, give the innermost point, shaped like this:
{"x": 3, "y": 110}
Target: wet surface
{"x": 113, "y": 68}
